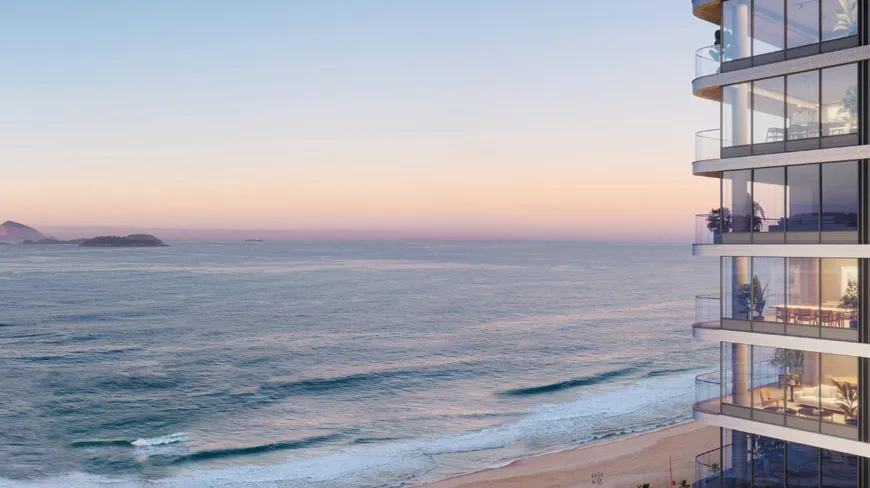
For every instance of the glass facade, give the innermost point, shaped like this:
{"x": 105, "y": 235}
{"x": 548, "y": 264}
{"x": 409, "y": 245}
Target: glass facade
{"x": 804, "y": 390}
{"x": 800, "y": 201}
{"x": 840, "y": 196}
{"x": 768, "y": 110}
{"x": 802, "y": 107}
{"x": 840, "y": 100}
{"x": 793, "y": 296}
{"x": 737, "y": 200}
{"x": 803, "y": 23}
{"x": 760, "y": 27}
{"x": 769, "y": 26}
{"x": 803, "y": 198}
{"x": 812, "y": 105}
{"x": 768, "y": 193}
{"x": 750, "y": 460}
{"x": 737, "y": 26}
{"x": 839, "y": 19}
{"x": 736, "y": 115}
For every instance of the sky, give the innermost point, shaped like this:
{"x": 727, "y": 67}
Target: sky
{"x": 484, "y": 118}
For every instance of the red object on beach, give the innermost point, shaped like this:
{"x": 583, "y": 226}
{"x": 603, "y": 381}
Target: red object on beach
{"x": 671, "y": 470}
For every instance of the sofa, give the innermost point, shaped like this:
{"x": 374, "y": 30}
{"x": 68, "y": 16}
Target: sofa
{"x": 809, "y": 395}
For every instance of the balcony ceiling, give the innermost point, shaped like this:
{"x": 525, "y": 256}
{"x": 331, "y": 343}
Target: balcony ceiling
{"x": 709, "y": 10}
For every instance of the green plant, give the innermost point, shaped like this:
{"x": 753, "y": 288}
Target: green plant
{"x": 714, "y": 468}
{"x": 849, "y": 107}
{"x": 752, "y": 293}
{"x": 850, "y": 296}
{"x": 716, "y": 216}
{"x": 848, "y": 398}
{"x": 847, "y": 20}
{"x": 795, "y": 377}
{"x": 683, "y": 484}
{"x": 788, "y": 359}
{"x": 643, "y": 485}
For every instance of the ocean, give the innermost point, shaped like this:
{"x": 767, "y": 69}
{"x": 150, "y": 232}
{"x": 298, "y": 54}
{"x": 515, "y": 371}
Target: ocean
{"x": 335, "y": 364}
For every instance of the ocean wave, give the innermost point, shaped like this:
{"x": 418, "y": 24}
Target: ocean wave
{"x": 359, "y": 380}
{"x": 573, "y": 383}
{"x": 159, "y": 441}
{"x": 253, "y": 450}
{"x": 668, "y": 372}
{"x": 613, "y": 411}
{"x": 141, "y": 442}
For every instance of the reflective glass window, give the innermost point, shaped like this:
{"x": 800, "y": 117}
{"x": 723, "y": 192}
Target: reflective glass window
{"x": 736, "y": 375}
{"x": 769, "y": 22}
{"x": 768, "y": 462}
{"x": 839, "y": 293}
{"x": 768, "y": 110}
{"x": 803, "y": 290}
{"x": 840, "y": 196}
{"x": 839, "y": 19}
{"x": 803, "y": 465}
{"x": 736, "y": 115}
{"x": 839, "y": 470}
{"x": 803, "y": 22}
{"x": 768, "y": 191}
{"x": 768, "y": 384}
{"x": 840, "y": 100}
{"x": 736, "y": 291}
{"x": 803, "y": 105}
{"x": 737, "y": 200}
{"x": 803, "y": 200}
{"x": 768, "y": 289}
{"x": 737, "y": 26}
{"x": 839, "y": 391}
{"x": 802, "y": 378}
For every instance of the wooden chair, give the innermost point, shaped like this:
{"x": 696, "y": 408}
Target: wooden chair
{"x": 829, "y": 318}
{"x": 806, "y": 316}
{"x": 767, "y": 399}
{"x": 781, "y": 314}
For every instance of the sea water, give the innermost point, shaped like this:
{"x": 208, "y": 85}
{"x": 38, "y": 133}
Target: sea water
{"x": 335, "y": 364}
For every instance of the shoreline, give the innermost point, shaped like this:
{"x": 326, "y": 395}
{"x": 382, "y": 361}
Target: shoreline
{"x": 574, "y": 466}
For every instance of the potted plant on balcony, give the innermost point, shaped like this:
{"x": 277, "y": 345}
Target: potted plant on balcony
{"x": 719, "y": 221}
{"x": 847, "y": 400}
{"x": 849, "y": 301}
{"x": 752, "y": 293}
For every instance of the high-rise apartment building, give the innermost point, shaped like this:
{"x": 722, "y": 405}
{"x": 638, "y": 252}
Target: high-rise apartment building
{"x": 792, "y": 233}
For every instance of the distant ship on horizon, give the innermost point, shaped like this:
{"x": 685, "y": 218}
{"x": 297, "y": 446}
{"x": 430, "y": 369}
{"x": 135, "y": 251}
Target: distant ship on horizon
{"x": 256, "y": 239}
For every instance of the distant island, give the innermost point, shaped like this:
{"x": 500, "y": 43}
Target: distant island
{"x": 134, "y": 240}
{"x": 14, "y": 231}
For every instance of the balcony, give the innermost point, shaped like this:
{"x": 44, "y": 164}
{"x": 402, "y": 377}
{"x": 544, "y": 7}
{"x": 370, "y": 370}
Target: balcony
{"x": 707, "y": 229}
{"x": 709, "y": 467}
{"x": 708, "y": 391}
{"x": 823, "y": 401}
{"x": 707, "y": 311}
{"x": 708, "y": 145}
{"x": 707, "y": 61}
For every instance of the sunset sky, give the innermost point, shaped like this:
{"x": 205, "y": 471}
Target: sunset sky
{"x": 536, "y": 119}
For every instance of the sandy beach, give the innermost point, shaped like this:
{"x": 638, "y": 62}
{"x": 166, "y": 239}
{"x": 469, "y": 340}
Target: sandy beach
{"x": 621, "y": 463}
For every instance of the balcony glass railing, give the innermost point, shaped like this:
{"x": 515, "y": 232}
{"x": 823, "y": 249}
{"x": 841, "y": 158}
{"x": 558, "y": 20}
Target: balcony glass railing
{"x": 706, "y": 61}
{"x": 707, "y": 229}
{"x": 707, "y": 311}
{"x": 709, "y": 469}
{"x": 707, "y": 392}
{"x": 708, "y": 144}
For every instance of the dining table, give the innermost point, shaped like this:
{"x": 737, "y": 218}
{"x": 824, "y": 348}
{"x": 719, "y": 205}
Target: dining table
{"x": 840, "y": 316}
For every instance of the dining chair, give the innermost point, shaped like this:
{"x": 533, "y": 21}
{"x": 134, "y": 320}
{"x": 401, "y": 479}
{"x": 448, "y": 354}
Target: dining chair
{"x": 828, "y": 318}
{"x": 806, "y": 316}
{"x": 781, "y": 314}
